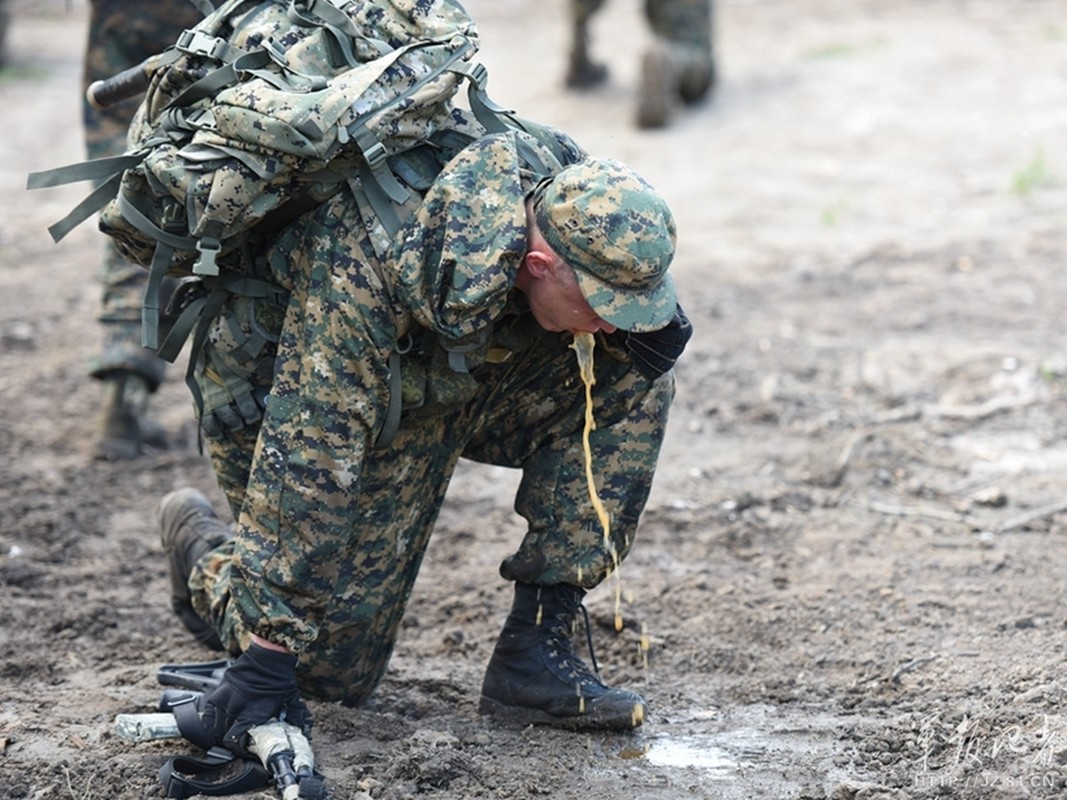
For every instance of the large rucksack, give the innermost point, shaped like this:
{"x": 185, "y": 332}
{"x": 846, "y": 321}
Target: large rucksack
{"x": 259, "y": 114}
{"x": 264, "y": 110}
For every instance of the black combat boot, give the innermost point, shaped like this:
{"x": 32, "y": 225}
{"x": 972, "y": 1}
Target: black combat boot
{"x": 189, "y": 528}
{"x": 126, "y": 429}
{"x": 535, "y": 677}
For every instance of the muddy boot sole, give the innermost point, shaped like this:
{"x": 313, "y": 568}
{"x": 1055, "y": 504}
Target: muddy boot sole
{"x": 605, "y": 714}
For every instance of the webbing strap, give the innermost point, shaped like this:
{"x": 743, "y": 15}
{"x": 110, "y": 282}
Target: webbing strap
{"x": 107, "y": 169}
{"x": 206, "y": 309}
{"x": 199, "y": 309}
{"x": 271, "y": 77}
{"x": 375, "y": 195}
{"x": 457, "y": 352}
{"x": 196, "y": 319}
{"x": 396, "y": 401}
{"x": 86, "y": 208}
{"x": 97, "y": 169}
{"x": 224, "y": 76}
{"x": 375, "y": 157}
{"x": 379, "y": 184}
{"x": 181, "y": 329}
{"x": 490, "y": 114}
{"x": 494, "y": 117}
{"x": 166, "y": 244}
{"x": 133, "y": 215}
{"x": 342, "y": 30}
{"x": 150, "y": 305}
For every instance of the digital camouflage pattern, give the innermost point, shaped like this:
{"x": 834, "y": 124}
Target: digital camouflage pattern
{"x": 331, "y": 529}
{"x": 297, "y": 127}
{"x": 123, "y": 33}
{"x": 618, "y": 234}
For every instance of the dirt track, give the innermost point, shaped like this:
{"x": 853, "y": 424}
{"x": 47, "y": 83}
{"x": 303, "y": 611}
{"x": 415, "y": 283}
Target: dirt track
{"x": 853, "y": 564}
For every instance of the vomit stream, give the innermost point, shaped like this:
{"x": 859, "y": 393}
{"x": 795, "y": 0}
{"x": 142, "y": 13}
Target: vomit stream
{"x": 583, "y": 345}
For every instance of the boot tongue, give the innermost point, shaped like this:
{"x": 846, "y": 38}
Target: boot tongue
{"x": 561, "y": 599}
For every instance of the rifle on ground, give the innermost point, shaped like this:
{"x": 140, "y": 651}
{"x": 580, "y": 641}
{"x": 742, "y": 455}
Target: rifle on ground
{"x": 284, "y": 752}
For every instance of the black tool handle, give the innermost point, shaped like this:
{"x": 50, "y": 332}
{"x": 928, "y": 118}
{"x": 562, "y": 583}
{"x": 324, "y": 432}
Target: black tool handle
{"x": 128, "y": 83}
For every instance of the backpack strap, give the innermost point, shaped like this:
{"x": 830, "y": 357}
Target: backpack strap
{"x": 166, "y": 244}
{"x": 396, "y": 401}
{"x": 338, "y": 25}
{"x": 200, "y": 305}
{"x": 495, "y": 118}
{"x": 109, "y": 170}
{"x": 457, "y": 349}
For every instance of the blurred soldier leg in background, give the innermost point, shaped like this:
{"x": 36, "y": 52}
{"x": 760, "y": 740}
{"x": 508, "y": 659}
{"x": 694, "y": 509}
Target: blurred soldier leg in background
{"x": 680, "y": 64}
{"x": 678, "y": 68}
{"x": 582, "y": 72}
{"x": 123, "y": 33}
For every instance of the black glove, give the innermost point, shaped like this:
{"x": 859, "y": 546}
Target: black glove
{"x": 259, "y": 686}
{"x": 655, "y": 352}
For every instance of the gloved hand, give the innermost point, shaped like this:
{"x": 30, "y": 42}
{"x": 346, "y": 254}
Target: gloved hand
{"x": 655, "y": 352}
{"x": 259, "y": 686}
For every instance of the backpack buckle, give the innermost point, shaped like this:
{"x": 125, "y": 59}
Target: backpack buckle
{"x": 374, "y": 152}
{"x": 198, "y": 43}
{"x": 209, "y": 248}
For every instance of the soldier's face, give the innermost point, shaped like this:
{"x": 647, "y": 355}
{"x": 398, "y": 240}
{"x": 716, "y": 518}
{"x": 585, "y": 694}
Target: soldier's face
{"x": 558, "y": 304}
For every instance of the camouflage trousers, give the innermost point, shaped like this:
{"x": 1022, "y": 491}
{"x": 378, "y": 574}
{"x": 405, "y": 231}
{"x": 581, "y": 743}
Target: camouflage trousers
{"x": 332, "y": 530}
{"x": 123, "y": 33}
{"x": 682, "y": 34}
{"x": 687, "y": 23}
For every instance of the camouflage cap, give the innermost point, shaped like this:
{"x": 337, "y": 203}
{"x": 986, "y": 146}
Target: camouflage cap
{"x": 618, "y": 234}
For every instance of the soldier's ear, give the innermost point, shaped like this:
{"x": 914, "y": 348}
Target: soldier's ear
{"x": 539, "y": 263}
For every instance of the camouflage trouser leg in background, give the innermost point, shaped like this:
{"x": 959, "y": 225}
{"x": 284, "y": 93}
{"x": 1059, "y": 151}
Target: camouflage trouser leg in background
{"x": 582, "y": 71}
{"x": 123, "y": 33}
{"x": 529, "y": 415}
{"x": 679, "y": 67}
{"x": 685, "y": 29}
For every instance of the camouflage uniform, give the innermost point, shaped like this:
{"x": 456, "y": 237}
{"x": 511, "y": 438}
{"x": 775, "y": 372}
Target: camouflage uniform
{"x": 121, "y": 34}
{"x": 680, "y": 64}
{"x": 332, "y": 527}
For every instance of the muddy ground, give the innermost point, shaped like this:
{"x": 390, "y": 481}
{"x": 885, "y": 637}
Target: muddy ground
{"x": 852, "y": 567}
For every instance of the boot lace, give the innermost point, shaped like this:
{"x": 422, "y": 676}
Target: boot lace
{"x": 560, "y": 641}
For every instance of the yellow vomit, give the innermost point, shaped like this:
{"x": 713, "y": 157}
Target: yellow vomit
{"x": 637, "y": 715}
{"x": 583, "y": 346}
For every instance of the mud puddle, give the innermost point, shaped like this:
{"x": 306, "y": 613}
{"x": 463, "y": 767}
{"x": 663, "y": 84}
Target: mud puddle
{"x": 753, "y": 751}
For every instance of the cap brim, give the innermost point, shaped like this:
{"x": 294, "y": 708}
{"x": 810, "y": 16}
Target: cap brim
{"x": 638, "y": 311}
